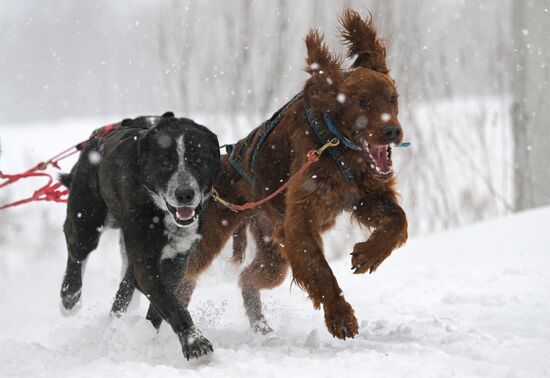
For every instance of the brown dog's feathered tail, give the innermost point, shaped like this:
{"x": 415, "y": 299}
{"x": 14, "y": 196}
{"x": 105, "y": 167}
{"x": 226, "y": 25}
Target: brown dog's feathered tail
{"x": 239, "y": 244}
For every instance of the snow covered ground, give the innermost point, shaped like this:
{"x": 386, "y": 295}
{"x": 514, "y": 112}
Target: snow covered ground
{"x": 471, "y": 302}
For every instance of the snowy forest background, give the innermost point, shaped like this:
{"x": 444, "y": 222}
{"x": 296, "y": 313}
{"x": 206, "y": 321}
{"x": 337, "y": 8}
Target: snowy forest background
{"x": 467, "y": 296}
{"x": 232, "y": 64}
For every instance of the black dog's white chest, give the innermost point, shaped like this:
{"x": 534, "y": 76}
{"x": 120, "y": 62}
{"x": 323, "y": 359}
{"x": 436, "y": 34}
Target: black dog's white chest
{"x": 180, "y": 240}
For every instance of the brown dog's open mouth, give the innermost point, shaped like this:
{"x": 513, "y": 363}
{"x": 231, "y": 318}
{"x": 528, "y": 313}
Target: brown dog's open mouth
{"x": 379, "y": 157}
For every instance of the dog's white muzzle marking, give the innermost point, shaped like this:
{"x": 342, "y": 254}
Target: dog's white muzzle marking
{"x": 181, "y": 178}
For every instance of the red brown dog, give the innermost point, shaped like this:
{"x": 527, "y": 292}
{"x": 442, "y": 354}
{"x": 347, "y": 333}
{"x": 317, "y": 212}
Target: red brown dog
{"x": 359, "y": 107}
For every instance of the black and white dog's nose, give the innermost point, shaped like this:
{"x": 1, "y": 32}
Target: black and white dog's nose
{"x": 184, "y": 195}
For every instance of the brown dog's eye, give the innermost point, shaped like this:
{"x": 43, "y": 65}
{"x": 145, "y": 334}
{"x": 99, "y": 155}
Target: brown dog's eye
{"x": 364, "y": 103}
{"x": 393, "y": 99}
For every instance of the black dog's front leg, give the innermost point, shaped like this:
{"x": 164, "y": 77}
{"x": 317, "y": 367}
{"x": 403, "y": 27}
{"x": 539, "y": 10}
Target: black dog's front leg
{"x": 172, "y": 271}
{"x": 144, "y": 259}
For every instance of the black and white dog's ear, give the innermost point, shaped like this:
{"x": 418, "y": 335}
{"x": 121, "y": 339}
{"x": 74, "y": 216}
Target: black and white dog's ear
{"x": 212, "y": 148}
{"x": 214, "y": 138}
{"x": 143, "y": 147}
{"x": 216, "y": 152}
{"x": 144, "y": 139}
{"x": 211, "y": 137}
{"x": 168, "y": 115}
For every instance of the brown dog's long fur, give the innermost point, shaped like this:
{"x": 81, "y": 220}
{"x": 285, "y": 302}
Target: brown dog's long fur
{"x": 288, "y": 229}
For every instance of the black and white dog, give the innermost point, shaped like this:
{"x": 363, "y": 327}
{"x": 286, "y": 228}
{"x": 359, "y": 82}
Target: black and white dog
{"x": 151, "y": 177}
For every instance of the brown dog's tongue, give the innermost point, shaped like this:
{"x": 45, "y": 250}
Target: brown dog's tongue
{"x": 380, "y": 155}
{"x": 185, "y": 213}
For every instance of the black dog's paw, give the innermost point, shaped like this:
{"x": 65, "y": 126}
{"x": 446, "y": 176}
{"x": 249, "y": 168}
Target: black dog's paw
{"x": 194, "y": 344}
{"x": 69, "y": 298}
{"x": 70, "y": 292}
{"x": 71, "y": 288}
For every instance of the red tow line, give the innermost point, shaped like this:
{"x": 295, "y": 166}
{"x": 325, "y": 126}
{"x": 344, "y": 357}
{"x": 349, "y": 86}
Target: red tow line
{"x": 313, "y": 156}
{"x": 51, "y": 191}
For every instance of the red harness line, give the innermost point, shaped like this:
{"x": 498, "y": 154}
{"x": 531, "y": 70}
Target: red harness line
{"x": 51, "y": 191}
{"x": 313, "y": 156}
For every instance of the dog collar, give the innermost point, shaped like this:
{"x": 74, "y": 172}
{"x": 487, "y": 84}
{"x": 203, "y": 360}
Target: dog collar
{"x": 348, "y": 143}
{"x": 323, "y": 133}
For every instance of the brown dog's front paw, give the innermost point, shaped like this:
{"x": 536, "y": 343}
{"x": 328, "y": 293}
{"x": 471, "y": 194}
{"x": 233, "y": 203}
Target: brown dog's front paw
{"x": 341, "y": 321}
{"x": 364, "y": 259}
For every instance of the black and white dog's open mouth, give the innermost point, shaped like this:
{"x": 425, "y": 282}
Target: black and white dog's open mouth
{"x": 184, "y": 215}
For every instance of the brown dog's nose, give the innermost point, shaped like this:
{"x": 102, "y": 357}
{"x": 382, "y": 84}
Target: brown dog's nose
{"x": 391, "y": 133}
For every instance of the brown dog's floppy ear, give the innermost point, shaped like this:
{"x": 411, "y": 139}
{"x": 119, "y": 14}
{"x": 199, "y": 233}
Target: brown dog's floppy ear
{"x": 324, "y": 68}
{"x": 362, "y": 40}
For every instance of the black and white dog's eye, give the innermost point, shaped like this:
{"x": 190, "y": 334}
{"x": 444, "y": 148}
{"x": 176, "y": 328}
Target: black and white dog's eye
{"x": 364, "y": 103}
{"x": 168, "y": 163}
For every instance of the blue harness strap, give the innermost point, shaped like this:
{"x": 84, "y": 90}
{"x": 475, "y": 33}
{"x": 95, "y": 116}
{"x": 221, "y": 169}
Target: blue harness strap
{"x": 326, "y": 133}
{"x": 236, "y": 157}
{"x": 245, "y": 163}
{"x": 244, "y": 160}
{"x": 269, "y": 125}
{"x": 348, "y": 143}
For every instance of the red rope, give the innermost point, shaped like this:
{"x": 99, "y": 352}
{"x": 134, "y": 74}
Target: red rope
{"x": 50, "y": 191}
{"x": 312, "y": 157}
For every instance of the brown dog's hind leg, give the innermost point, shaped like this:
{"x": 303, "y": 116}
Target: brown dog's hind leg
{"x": 239, "y": 244}
{"x": 267, "y": 270}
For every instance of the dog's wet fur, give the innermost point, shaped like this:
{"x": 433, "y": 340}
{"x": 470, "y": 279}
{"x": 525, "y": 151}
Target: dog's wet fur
{"x": 362, "y": 101}
{"x": 151, "y": 178}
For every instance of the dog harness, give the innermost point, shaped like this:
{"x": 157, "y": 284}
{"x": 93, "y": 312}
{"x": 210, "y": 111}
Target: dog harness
{"x": 53, "y": 191}
{"x": 323, "y": 132}
{"x": 242, "y": 157}
{"x": 243, "y": 154}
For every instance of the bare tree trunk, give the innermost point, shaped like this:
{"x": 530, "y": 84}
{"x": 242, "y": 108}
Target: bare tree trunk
{"x": 175, "y": 46}
{"x": 239, "y": 24}
{"x": 280, "y": 57}
{"x": 531, "y": 109}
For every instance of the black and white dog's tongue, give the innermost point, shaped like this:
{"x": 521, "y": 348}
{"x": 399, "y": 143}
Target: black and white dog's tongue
{"x": 185, "y": 213}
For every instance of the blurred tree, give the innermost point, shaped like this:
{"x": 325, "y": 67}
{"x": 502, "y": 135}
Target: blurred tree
{"x": 231, "y": 64}
{"x": 531, "y": 107}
